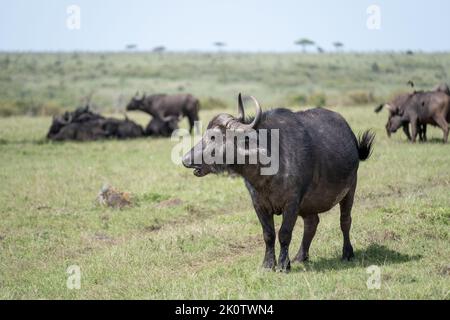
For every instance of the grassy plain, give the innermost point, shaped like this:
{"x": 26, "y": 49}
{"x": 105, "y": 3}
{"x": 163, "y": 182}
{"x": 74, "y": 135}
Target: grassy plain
{"x": 187, "y": 237}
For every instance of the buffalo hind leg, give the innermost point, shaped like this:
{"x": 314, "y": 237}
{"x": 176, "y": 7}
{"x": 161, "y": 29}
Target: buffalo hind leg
{"x": 424, "y": 132}
{"x": 310, "y": 223}
{"x": 442, "y": 123}
{"x": 346, "y": 205}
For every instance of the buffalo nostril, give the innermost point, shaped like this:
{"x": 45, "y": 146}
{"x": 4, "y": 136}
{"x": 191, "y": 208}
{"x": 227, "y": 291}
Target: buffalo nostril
{"x": 186, "y": 160}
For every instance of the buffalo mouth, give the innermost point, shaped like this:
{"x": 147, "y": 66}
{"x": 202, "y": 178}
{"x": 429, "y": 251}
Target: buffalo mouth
{"x": 201, "y": 171}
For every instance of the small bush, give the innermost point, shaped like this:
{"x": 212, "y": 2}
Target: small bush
{"x": 13, "y": 108}
{"x": 360, "y": 97}
{"x": 8, "y": 109}
{"x": 318, "y": 99}
{"x": 375, "y": 67}
{"x": 211, "y": 103}
{"x": 299, "y": 99}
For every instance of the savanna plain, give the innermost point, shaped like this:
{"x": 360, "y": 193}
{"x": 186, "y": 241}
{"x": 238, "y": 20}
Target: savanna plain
{"x": 189, "y": 238}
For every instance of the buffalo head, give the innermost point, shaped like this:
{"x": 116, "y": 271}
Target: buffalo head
{"x": 58, "y": 123}
{"x": 210, "y": 154}
{"x": 136, "y": 103}
{"x": 393, "y": 124}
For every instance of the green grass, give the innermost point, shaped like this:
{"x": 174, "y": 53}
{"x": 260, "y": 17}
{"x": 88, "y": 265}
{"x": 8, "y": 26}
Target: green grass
{"x": 47, "y": 83}
{"x": 210, "y": 245}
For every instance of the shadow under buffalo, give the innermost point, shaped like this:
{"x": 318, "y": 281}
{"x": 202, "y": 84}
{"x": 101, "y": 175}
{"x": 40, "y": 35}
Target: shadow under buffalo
{"x": 374, "y": 254}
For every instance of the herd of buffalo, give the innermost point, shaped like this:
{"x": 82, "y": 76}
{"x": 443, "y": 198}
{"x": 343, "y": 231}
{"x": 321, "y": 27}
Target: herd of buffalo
{"x": 166, "y": 111}
{"x": 416, "y": 109}
{"x": 318, "y": 154}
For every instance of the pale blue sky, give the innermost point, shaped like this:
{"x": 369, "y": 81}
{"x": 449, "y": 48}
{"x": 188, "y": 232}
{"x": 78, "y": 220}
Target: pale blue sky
{"x": 245, "y": 25}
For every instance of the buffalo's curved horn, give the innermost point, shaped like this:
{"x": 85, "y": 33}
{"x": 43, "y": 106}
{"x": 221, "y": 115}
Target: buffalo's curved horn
{"x": 389, "y": 107}
{"x": 255, "y": 120}
{"x": 241, "y": 113}
{"x": 379, "y": 108}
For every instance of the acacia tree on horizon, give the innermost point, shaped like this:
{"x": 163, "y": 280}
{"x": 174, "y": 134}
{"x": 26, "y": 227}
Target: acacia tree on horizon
{"x": 304, "y": 43}
{"x": 338, "y": 45}
{"x": 219, "y": 45}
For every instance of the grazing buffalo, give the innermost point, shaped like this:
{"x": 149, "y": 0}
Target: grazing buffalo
{"x": 84, "y": 125}
{"x": 397, "y": 105}
{"x": 166, "y": 107}
{"x": 423, "y": 108}
{"x": 318, "y": 159}
{"x": 394, "y": 107}
{"x": 443, "y": 87}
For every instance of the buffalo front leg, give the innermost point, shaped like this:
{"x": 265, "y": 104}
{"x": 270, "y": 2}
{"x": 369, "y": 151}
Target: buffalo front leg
{"x": 310, "y": 223}
{"x": 268, "y": 227}
{"x": 414, "y": 129}
{"x": 285, "y": 236}
{"x": 406, "y": 131}
{"x": 346, "y": 205}
{"x": 424, "y": 131}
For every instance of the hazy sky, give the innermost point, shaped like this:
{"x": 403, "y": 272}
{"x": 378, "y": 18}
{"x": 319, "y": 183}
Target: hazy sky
{"x": 244, "y": 25}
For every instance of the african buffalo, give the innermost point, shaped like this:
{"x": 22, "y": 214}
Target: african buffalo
{"x": 394, "y": 107}
{"x": 167, "y": 107}
{"x": 443, "y": 87}
{"x": 157, "y": 127}
{"x": 397, "y": 105}
{"x": 318, "y": 159}
{"x": 83, "y": 125}
{"x": 431, "y": 107}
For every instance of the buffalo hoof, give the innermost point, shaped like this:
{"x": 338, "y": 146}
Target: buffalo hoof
{"x": 347, "y": 253}
{"x": 284, "y": 267}
{"x": 301, "y": 257}
{"x": 269, "y": 264}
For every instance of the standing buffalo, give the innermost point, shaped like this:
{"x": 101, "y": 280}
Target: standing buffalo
{"x": 167, "y": 107}
{"x": 443, "y": 87}
{"x": 423, "y": 108}
{"x": 397, "y": 107}
{"x": 318, "y": 162}
{"x": 394, "y": 107}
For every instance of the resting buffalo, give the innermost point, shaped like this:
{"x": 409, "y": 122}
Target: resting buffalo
{"x": 167, "y": 107}
{"x": 80, "y": 115}
{"x": 420, "y": 109}
{"x": 158, "y": 127}
{"x": 84, "y": 125}
{"x": 318, "y": 159}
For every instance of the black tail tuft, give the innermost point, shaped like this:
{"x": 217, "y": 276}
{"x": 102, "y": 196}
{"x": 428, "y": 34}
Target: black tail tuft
{"x": 365, "y": 143}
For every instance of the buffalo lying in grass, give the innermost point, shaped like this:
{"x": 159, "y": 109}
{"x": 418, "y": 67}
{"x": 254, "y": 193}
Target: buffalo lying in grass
{"x": 167, "y": 107}
{"x": 84, "y": 125}
{"x": 318, "y": 159}
{"x": 157, "y": 127}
